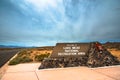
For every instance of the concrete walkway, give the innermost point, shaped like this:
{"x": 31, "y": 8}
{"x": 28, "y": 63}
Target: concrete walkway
{"x": 31, "y": 72}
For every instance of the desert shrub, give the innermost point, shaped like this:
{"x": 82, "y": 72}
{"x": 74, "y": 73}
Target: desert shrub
{"x": 118, "y": 48}
{"x": 26, "y": 59}
{"x": 22, "y": 57}
{"x": 18, "y": 60}
{"x": 41, "y": 57}
{"x": 15, "y": 61}
{"x": 24, "y": 52}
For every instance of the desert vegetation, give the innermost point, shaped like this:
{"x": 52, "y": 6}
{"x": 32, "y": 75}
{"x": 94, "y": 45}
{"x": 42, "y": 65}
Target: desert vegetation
{"x": 112, "y": 45}
{"x": 114, "y": 48}
{"x": 22, "y": 57}
{"x": 31, "y": 55}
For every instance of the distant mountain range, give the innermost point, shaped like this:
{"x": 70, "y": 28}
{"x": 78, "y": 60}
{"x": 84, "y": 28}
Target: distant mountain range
{"x": 12, "y": 46}
{"x": 111, "y": 45}
{"x": 107, "y": 45}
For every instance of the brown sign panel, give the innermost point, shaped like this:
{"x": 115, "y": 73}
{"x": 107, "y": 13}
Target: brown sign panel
{"x": 70, "y": 50}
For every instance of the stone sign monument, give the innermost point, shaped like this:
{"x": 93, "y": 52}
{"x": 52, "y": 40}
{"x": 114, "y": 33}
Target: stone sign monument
{"x": 79, "y": 54}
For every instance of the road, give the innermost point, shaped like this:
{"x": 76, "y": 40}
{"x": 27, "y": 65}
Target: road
{"x": 6, "y": 55}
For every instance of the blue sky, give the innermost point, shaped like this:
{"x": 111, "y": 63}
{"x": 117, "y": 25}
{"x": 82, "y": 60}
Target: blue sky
{"x": 46, "y": 22}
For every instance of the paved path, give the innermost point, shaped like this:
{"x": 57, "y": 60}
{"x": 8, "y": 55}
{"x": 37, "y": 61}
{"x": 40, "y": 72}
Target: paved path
{"x": 31, "y": 72}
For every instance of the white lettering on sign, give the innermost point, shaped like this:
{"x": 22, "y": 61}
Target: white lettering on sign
{"x": 60, "y": 54}
{"x": 75, "y": 47}
{"x": 71, "y": 44}
{"x": 81, "y": 53}
{"x": 66, "y": 47}
{"x": 71, "y": 49}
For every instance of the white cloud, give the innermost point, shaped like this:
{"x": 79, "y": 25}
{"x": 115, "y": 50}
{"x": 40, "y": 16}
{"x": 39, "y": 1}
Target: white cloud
{"x": 42, "y": 4}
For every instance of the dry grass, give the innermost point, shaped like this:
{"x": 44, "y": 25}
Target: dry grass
{"x": 31, "y": 55}
{"x": 38, "y": 52}
{"x": 115, "y": 53}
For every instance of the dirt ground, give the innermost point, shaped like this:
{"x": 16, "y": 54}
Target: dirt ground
{"x": 115, "y": 53}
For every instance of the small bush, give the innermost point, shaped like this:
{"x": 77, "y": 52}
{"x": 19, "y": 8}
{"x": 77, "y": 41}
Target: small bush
{"x": 26, "y": 59}
{"x": 41, "y": 57}
{"x": 15, "y": 61}
{"x": 24, "y": 52}
{"x": 18, "y": 60}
